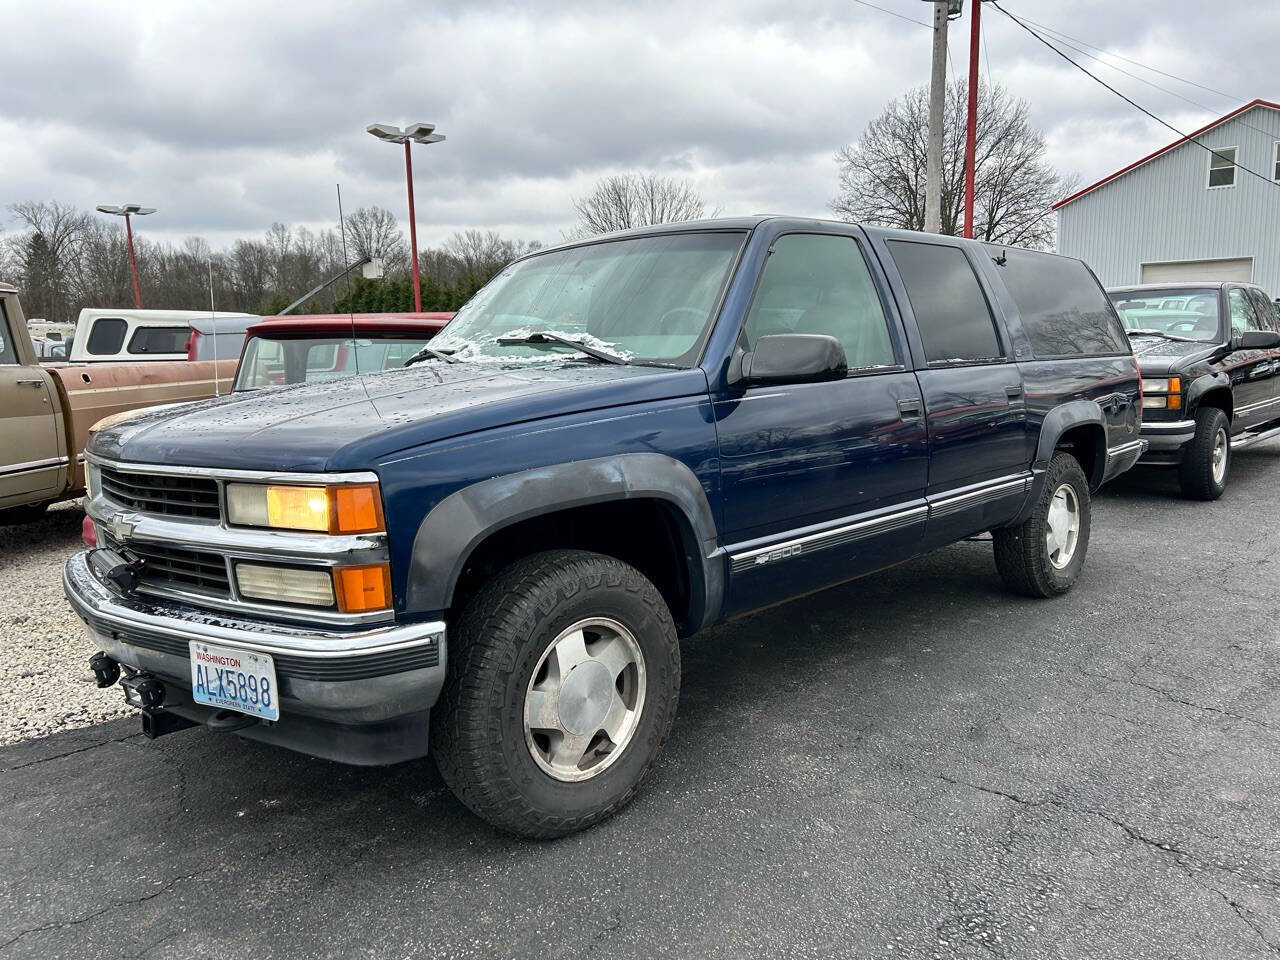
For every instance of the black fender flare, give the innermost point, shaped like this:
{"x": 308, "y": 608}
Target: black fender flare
{"x": 1059, "y": 420}
{"x": 461, "y": 521}
{"x": 1202, "y": 385}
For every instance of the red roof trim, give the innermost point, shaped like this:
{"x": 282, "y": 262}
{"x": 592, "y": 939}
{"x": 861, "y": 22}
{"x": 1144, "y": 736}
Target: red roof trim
{"x": 1163, "y": 150}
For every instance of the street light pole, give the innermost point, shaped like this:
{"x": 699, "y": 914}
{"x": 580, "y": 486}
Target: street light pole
{"x": 416, "y": 133}
{"x": 129, "y": 210}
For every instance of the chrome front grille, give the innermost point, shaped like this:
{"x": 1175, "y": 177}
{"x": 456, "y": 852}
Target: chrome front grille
{"x": 170, "y": 496}
{"x": 173, "y": 568}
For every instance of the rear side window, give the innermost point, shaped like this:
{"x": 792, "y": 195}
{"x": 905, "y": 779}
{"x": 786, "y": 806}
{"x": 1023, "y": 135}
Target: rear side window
{"x": 1265, "y": 309}
{"x": 7, "y": 353}
{"x": 107, "y": 336}
{"x": 951, "y": 311}
{"x": 1064, "y": 311}
{"x": 159, "y": 340}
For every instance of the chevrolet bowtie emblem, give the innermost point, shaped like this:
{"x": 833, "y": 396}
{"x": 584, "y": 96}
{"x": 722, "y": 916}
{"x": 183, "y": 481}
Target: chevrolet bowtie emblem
{"x": 122, "y": 527}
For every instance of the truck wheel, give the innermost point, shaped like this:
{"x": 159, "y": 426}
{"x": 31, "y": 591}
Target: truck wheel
{"x": 27, "y": 513}
{"x": 1207, "y": 459}
{"x": 563, "y": 677}
{"x": 1043, "y": 556}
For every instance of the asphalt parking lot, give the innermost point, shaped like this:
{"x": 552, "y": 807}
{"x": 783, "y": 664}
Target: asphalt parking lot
{"x": 912, "y": 765}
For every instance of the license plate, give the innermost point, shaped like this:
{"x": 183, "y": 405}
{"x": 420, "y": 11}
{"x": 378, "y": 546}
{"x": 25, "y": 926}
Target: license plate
{"x": 233, "y": 679}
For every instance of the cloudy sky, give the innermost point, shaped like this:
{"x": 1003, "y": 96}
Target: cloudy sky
{"x": 230, "y": 115}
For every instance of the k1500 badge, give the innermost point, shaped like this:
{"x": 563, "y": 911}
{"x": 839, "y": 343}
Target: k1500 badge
{"x": 780, "y": 554}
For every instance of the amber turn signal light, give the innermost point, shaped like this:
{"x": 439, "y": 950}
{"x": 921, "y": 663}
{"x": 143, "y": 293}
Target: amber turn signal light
{"x": 363, "y": 589}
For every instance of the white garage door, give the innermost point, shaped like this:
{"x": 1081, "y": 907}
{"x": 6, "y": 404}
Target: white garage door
{"x": 1240, "y": 268}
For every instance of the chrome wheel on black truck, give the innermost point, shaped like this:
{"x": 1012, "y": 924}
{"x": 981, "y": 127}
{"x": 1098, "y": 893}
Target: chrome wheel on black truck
{"x": 1043, "y": 556}
{"x": 564, "y": 674}
{"x": 1206, "y": 461}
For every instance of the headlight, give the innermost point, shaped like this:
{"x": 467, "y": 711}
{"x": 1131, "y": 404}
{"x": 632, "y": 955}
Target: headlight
{"x": 337, "y": 508}
{"x": 1169, "y": 390}
{"x": 285, "y": 584}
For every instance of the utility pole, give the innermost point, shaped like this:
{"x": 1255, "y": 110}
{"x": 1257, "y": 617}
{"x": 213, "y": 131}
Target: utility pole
{"x": 971, "y": 125}
{"x": 937, "y": 103}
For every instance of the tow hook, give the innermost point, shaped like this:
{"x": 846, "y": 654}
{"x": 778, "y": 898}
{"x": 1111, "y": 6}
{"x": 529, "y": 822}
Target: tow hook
{"x": 105, "y": 670}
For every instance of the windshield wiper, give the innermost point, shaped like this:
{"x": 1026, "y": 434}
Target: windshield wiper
{"x": 541, "y": 337}
{"x": 427, "y": 353}
{"x": 1161, "y": 334}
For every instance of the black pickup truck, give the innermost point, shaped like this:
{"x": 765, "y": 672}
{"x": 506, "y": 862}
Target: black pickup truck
{"x": 1210, "y": 359}
{"x": 495, "y": 550}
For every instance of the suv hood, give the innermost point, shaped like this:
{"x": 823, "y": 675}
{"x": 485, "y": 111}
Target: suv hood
{"x": 352, "y": 422}
{"x": 1155, "y": 355}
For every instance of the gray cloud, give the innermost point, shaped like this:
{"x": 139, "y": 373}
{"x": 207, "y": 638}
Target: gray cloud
{"x": 229, "y": 117}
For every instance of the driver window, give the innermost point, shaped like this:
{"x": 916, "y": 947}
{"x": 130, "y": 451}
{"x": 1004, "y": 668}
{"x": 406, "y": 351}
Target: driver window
{"x": 816, "y": 283}
{"x": 1242, "y": 315}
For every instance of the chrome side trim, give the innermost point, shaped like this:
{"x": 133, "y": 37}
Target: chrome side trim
{"x": 1250, "y": 407}
{"x": 88, "y": 597}
{"x": 30, "y": 466}
{"x": 221, "y": 473}
{"x": 823, "y": 539}
{"x": 1123, "y": 448}
{"x": 1176, "y": 426}
{"x": 979, "y": 494}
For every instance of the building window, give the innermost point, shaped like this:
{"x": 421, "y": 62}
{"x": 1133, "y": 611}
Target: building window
{"x": 1275, "y": 166}
{"x": 1222, "y": 167}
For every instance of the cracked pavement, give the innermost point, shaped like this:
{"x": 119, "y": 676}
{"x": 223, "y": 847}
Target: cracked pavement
{"x": 915, "y": 764}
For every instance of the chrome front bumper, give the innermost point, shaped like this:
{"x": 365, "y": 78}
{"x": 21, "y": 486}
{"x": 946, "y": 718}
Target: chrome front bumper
{"x": 359, "y": 696}
{"x": 1166, "y": 438}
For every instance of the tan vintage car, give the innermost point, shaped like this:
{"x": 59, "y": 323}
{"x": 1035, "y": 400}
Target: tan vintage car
{"x": 46, "y": 410}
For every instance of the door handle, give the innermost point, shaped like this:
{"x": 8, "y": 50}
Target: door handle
{"x": 910, "y": 408}
{"x": 35, "y": 383}
{"x": 1013, "y": 392}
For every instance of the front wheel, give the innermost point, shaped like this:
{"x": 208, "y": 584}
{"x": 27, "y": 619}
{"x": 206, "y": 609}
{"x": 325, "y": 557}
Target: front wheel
{"x": 1206, "y": 461}
{"x": 564, "y": 672}
{"x": 1043, "y": 556}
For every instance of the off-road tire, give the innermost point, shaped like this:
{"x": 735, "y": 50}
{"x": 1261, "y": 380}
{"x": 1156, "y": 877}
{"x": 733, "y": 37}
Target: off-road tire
{"x": 27, "y": 513}
{"x": 1195, "y": 472}
{"x": 477, "y": 726}
{"x": 1022, "y": 556}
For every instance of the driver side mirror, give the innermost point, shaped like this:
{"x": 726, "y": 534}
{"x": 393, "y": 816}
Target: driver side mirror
{"x": 790, "y": 358}
{"x": 1257, "y": 340}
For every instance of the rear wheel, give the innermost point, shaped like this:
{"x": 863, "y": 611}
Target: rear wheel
{"x": 1206, "y": 461}
{"x": 564, "y": 673}
{"x": 1043, "y": 556}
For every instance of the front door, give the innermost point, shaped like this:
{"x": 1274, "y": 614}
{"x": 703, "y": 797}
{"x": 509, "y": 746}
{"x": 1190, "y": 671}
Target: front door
{"x": 821, "y": 481}
{"x": 1252, "y": 372}
{"x": 31, "y": 461}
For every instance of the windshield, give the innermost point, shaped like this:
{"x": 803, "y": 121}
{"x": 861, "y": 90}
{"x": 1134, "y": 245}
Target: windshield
{"x": 273, "y": 362}
{"x": 1178, "y": 312}
{"x": 646, "y": 299}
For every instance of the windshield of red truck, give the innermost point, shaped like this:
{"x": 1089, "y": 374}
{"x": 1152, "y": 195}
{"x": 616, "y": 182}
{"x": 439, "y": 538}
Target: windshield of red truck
{"x": 274, "y": 362}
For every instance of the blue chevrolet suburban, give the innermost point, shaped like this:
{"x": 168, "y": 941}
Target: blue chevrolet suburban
{"x": 492, "y": 554}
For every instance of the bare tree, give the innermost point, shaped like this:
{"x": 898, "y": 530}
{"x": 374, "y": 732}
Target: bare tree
{"x": 636, "y": 200}
{"x": 44, "y": 256}
{"x": 373, "y": 232}
{"x": 882, "y": 175}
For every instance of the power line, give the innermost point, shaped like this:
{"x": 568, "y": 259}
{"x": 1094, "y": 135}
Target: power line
{"x": 1137, "y": 106}
{"x": 918, "y": 23}
{"x": 1112, "y": 53}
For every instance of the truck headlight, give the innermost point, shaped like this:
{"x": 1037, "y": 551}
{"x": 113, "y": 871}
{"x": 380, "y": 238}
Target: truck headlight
{"x": 1167, "y": 390}
{"x": 285, "y": 584}
{"x": 336, "y": 508}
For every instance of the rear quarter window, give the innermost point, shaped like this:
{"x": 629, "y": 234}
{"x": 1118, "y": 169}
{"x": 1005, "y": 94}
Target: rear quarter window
{"x": 1064, "y": 311}
{"x": 150, "y": 340}
{"x": 950, "y": 308}
{"x": 107, "y": 337}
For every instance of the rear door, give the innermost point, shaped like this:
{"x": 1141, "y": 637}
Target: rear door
{"x": 1252, "y": 372}
{"x": 32, "y": 463}
{"x": 821, "y": 481}
{"x": 973, "y": 391}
